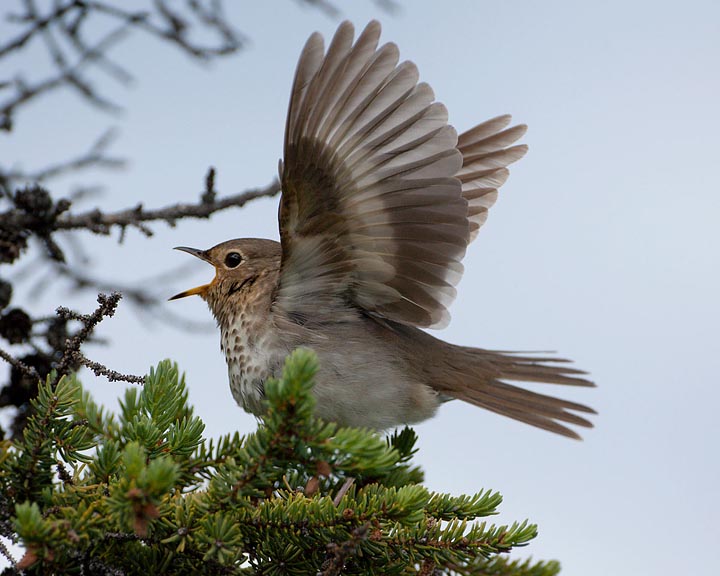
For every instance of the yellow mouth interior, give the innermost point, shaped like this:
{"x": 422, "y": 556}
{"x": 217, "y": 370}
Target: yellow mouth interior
{"x": 199, "y": 291}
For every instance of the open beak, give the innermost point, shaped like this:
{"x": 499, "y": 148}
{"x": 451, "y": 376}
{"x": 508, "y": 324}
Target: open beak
{"x": 199, "y": 290}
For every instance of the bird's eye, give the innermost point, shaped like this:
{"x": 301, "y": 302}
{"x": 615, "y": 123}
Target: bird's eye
{"x": 233, "y": 259}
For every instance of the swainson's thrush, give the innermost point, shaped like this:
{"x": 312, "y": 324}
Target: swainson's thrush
{"x": 380, "y": 199}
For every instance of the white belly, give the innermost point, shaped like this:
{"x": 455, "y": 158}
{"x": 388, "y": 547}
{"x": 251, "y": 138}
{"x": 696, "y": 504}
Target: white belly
{"x": 360, "y": 381}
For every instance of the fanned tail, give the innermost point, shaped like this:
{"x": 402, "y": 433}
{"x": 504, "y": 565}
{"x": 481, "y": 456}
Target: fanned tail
{"x": 481, "y": 377}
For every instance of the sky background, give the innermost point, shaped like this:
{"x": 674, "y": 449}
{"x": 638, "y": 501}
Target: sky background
{"x": 603, "y": 244}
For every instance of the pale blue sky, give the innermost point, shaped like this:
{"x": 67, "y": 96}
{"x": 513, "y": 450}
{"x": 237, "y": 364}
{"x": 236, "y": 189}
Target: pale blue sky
{"x": 603, "y": 245}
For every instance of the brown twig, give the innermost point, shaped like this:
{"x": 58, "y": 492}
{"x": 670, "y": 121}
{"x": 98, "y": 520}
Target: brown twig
{"x": 175, "y": 29}
{"x": 343, "y": 490}
{"x": 95, "y": 157}
{"x": 38, "y": 25}
{"x": 101, "y": 223}
{"x": 63, "y": 474}
{"x": 5, "y": 552}
{"x": 68, "y": 19}
{"x": 102, "y": 370}
{"x": 24, "y": 368}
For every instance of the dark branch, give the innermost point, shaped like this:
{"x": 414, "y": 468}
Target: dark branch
{"x": 68, "y": 20}
{"x": 102, "y": 223}
{"x": 39, "y": 24}
{"x": 24, "y": 368}
{"x": 6, "y": 553}
{"x": 102, "y": 370}
{"x": 176, "y": 29}
{"x": 36, "y": 213}
{"x": 72, "y": 356}
{"x": 95, "y": 157}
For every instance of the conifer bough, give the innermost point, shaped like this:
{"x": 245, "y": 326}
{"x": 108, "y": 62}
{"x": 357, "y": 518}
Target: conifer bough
{"x": 85, "y": 491}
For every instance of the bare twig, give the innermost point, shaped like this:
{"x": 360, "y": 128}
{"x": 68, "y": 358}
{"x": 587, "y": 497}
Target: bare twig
{"x": 6, "y": 552}
{"x": 69, "y": 18}
{"x": 36, "y": 213}
{"x": 102, "y": 370}
{"x": 95, "y": 157}
{"x": 174, "y": 31}
{"x": 324, "y": 5}
{"x": 69, "y": 76}
{"x": 210, "y": 194}
{"x": 72, "y": 354}
{"x": 102, "y": 223}
{"x": 38, "y": 25}
{"x": 24, "y": 368}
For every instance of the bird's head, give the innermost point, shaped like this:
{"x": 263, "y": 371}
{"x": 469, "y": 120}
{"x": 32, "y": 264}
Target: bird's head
{"x": 238, "y": 264}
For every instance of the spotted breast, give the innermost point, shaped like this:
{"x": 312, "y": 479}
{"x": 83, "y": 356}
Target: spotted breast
{"x": 249, "y": 365}
{"x": 253, "y": 350}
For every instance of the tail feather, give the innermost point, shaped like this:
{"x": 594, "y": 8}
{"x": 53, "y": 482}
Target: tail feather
{"x": 480, "y": 378}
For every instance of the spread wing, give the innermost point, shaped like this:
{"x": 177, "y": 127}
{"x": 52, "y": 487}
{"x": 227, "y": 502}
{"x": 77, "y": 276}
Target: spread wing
{"x": 487, "y": 151}
{"x": 378, "y": 204}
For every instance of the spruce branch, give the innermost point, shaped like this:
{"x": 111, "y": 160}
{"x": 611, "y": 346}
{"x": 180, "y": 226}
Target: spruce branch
{"x": 154, "y": 496}
{"x": 340, "y": 553}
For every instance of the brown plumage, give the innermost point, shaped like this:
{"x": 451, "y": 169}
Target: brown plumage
{"x": 380, "y": 200}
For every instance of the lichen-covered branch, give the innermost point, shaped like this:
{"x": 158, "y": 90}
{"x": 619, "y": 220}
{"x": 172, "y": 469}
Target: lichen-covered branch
{"x": 72, "y": 355}
{"x": 102, "y": 223}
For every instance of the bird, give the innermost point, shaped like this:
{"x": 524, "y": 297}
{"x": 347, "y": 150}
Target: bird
{"x": 380, "y": 198}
